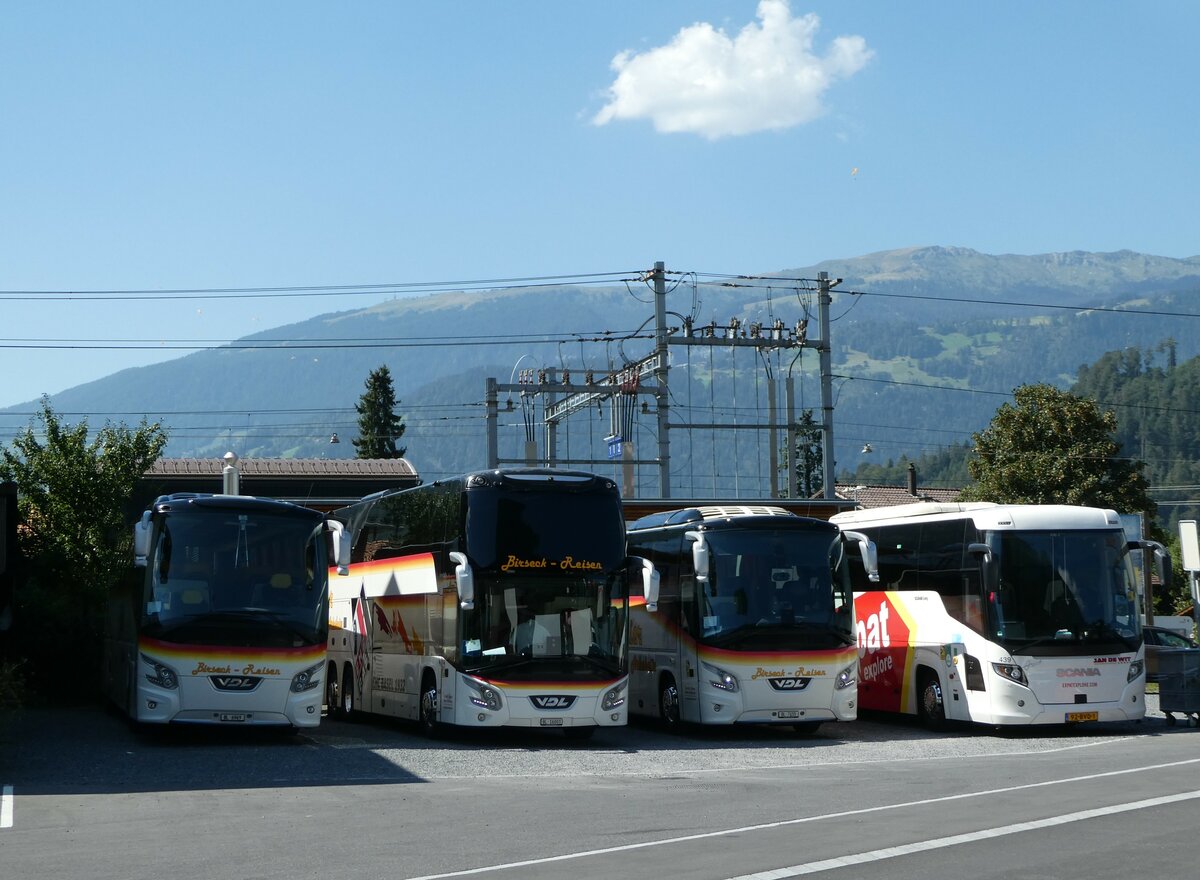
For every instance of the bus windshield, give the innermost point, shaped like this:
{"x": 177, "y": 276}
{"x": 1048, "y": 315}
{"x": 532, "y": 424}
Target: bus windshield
{"x": 507, "y": 528}
{"x": 234, "y": 578}
{"x": 775, "y": 589}
{"x": 573, "y": 626}
{"x": 1064, "y": 589}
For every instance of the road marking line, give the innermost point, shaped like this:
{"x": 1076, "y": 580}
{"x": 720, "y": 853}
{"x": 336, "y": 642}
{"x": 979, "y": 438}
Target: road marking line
{"x": 784, "y": 823}
{"x": 957, "y": 839}
{"x": 6, "y": 807}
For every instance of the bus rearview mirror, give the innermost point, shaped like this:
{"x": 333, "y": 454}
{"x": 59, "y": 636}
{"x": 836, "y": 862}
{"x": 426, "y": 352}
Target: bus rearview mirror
{"x": 870, "y": 557}
{"x": 141, "y": 540}
{"x": 700, "y": 554}
{"x": 464, "y": 579}
{"x": 651, "y": 581}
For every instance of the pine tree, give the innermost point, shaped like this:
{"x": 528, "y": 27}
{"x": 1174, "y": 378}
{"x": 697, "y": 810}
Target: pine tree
{"x": 809, "y": 457}
{"x": 378, "y": 425}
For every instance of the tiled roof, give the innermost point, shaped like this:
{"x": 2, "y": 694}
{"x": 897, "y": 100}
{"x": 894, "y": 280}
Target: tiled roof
{"x": 886, "y": 496}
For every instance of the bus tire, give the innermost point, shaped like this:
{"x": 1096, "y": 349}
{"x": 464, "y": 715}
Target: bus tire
{"x": 428, "y": 710}
{"x": 668, "y": 703}
{"x": 931, "y": 702}
{"x": 346, "y": 697}
{"x": 333, "y": 706}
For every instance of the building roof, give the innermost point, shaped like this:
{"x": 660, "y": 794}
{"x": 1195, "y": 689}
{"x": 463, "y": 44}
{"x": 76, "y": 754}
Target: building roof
{"x": 321, "y": 483}
{"x": 885, "y": 496}
{"x": 366, "y": 468}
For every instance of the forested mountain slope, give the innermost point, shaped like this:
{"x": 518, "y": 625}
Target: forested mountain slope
{"x": 927, "y": 342}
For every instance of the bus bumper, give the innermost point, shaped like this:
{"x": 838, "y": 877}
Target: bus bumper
{"x": 1014, "y": 704}
{"x": 196, "y": 702}
{"x": 822, "y": 702}
{"x": 548, "y": 706}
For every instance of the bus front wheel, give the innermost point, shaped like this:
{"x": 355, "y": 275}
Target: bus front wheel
{"x": 668, "y": 702}
{"x": 931, "y": 704}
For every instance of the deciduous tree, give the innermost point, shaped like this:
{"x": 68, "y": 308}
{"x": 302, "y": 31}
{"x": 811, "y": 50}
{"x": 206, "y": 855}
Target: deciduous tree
{"x": 73, "y": 535}
{"x": 1054, "y": 447}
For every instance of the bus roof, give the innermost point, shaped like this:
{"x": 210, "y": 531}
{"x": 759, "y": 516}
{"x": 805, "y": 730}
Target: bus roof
{"x": 177, "y": 500}
{"x": 720, "y": 514}
{"x": 987, "y": 515}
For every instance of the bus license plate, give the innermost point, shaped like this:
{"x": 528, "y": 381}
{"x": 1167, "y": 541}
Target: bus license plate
{"x": 1073, "y": 717}
{"x": 233, "y": 716}
{"x": 788, "y": 713}
{"x": 551, "y": 722}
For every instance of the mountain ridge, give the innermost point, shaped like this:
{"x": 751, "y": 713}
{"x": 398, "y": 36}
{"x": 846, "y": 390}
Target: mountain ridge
{"x": 941, "y": 314}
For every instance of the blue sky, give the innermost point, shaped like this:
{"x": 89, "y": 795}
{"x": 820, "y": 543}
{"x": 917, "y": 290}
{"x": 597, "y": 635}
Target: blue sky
{"x": 162, "y": 146}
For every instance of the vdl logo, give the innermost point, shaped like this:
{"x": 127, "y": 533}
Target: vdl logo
{"x": 551, "y": 701}
{"x": 789, "y": 684}
{"x": 235, "y": 682}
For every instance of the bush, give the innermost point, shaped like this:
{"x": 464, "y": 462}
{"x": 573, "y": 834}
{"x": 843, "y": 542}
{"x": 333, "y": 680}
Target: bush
{"x": 12, "y": 685}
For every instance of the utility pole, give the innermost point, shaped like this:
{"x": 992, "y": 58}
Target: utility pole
{"x": 825, "y": 351}
{"x": 623, "y": 387}
{"x": 661, "y": 399}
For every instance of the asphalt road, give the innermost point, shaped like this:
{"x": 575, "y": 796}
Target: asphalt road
{"x": 86, "y": 797}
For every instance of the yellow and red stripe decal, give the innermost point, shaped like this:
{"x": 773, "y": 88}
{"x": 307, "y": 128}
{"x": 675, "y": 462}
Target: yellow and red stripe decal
{"x": 210, "y": 659}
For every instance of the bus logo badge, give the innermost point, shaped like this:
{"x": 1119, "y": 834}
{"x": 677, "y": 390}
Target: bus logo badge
{"x": 235, "y": 682}
{"x": 789, "y": 684}
{"x": 553, "y": 702}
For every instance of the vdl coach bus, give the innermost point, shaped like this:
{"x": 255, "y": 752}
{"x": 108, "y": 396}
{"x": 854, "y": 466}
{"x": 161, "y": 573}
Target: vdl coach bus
{"x": 1001, "y": 614}
{"x": 224, "y": 618}
{"x": 498, "y": 598}
{"x": 755, "y": 623}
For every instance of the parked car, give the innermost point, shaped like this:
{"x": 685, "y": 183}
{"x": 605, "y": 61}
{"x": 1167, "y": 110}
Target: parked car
{"x": 1159, "y": 638}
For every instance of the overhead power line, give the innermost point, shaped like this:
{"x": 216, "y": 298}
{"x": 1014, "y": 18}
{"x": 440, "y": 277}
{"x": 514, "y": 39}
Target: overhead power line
{"x": 185, "y": 293}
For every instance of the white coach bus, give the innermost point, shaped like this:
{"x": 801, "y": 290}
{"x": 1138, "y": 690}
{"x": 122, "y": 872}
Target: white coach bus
{"x": 1000, "y": 614}
{"x": 755, "y": 623}
{"x": 498, "y": 598}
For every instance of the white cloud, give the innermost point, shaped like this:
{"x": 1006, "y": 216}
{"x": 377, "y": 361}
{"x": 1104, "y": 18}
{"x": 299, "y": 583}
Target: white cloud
{"x": 709, "y": 83}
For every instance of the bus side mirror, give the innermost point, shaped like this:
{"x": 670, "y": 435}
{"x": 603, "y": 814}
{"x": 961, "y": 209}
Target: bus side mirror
{"x": 987, "y": 563}
{"x": 341, "y": 546}
{"x": 464, "y": 579}
{"x": 870, "y": 558}
{"x": 1162, "y": 561}
{"x": 141, "y": 540}
{"x": 700, "y": 554}
{"x": 651, "y": 580}
{"x": 983, "y": 551}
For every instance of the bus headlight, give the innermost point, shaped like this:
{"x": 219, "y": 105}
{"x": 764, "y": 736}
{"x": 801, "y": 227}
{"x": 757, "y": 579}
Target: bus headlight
{"x": 163, "y": 675}
{"x": 846, "y": 677}
{"x": 306, "y": 679}
{"x": 1012, "y": 672}
{"x": 484, "y": 696}
{"x": 720, "y": 679}
{"x": 1135, "y": 669}
{"x": 614, "y": 697}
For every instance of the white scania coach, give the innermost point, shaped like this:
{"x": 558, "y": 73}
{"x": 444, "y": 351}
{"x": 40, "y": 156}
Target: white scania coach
{"x": 1000, "y": 614}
